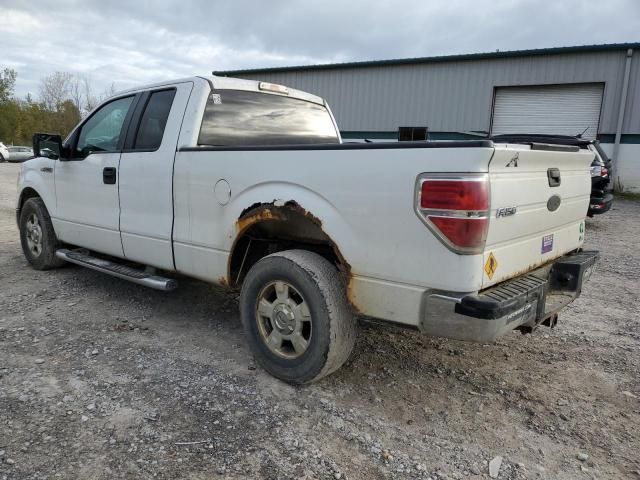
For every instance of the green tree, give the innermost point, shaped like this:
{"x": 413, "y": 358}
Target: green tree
{"x": 67, "y": 117}
{"x": 7, "y": 84}
{"x": 58, "y": 111}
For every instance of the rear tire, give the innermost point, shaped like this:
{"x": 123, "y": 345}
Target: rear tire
{"x": 2, "y": 160}
{"x": 296, "y": 317}
{"x": 37, "y": 237}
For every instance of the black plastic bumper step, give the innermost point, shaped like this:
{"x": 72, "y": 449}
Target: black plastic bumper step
{"x": 498, "y": 301}
{"x": 559, "y": 284}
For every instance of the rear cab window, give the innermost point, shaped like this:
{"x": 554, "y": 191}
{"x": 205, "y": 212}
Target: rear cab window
{"x": 246, "y": 118}
{"x": 154, "y": 120}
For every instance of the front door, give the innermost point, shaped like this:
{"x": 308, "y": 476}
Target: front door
{"x": 88, "y": 210}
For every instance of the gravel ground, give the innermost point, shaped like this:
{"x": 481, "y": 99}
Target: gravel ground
{"x": 103, "y": 379}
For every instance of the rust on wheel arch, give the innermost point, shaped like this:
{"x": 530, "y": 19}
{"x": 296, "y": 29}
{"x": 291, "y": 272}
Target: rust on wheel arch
{"x": 265, "y": 212}
{"x": 255, "y": 215}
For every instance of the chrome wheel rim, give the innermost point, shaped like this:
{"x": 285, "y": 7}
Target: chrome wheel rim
{"x": 34, "y": 235}
{"x": 284, "y": 320}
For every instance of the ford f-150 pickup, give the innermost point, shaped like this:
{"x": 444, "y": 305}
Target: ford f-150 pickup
{"x": 248, "y": 185}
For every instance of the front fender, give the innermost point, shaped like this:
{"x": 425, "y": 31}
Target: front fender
{"x": 37, "y": 175}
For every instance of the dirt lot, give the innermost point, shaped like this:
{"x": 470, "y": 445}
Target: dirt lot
{"x": 102, "y": 379}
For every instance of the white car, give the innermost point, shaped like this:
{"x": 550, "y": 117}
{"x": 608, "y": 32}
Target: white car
{"x": 19, "y": 154}
{"x": 4, "y": 153}
{"x": 247, "y": 184}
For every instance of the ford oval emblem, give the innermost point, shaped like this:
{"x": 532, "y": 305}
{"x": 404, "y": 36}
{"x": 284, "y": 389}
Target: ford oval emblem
{"x": 553, "y": 203}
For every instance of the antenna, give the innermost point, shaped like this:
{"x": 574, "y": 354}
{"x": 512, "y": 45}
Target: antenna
{"x": 583, "y": 132}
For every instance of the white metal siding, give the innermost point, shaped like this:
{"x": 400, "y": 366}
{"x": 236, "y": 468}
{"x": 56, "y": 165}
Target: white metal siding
{"x": 554, "y": 109}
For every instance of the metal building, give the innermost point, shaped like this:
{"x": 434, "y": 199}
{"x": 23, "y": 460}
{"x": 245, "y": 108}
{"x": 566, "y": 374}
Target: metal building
{"x": 594, "y": 90}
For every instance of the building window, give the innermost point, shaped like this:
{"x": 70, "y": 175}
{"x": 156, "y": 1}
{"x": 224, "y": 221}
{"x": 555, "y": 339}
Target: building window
{"x": 412, "y": 134}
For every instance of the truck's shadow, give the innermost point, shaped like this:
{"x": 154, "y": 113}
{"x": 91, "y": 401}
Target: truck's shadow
{"x": 200, "y": 316}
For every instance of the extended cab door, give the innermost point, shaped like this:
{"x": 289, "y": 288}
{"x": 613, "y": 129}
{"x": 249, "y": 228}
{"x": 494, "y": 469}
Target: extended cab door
{"x": 88, "y": 212}
{"x": 146, "y": 175}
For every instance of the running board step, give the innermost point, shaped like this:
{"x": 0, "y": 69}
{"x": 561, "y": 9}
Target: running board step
{"x": 134, "y": 275}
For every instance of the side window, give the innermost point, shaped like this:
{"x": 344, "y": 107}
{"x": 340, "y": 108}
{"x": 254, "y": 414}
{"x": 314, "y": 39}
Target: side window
{"x": 154, "y": 119}
{"x": 102, "y": 131}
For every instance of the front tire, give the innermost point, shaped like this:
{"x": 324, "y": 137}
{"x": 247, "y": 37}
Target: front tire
{"x": 296, "y": 317}
{"x": 37, "y": 237}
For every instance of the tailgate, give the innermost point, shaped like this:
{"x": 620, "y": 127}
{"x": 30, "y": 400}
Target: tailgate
{"x": 539, "y": 200}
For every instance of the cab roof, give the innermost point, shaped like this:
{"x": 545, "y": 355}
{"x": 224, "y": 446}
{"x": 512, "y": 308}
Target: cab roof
{"x": 227, "y": 83}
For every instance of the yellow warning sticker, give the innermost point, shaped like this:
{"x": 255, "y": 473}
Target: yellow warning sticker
{"x": 491, "y": 266}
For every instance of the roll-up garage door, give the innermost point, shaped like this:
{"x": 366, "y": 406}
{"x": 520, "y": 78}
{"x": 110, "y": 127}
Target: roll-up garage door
{"x": 551, "y": 109}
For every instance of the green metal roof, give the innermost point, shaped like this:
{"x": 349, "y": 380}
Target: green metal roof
{"x": 436, "y": 59}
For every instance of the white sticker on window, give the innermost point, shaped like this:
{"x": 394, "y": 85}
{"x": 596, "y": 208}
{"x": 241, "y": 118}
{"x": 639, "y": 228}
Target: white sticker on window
{"x": 216, "y": 99}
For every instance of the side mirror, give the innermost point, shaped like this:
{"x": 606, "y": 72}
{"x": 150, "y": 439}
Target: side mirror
{"x": 48, "y": 145}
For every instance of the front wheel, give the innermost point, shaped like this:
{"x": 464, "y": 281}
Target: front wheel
{"x": 296, "y": 316}
{"x": 37, "y": 236}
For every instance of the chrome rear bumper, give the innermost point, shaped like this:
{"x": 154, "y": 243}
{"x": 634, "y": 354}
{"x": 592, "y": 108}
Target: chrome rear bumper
{"x": 527, "y": 300}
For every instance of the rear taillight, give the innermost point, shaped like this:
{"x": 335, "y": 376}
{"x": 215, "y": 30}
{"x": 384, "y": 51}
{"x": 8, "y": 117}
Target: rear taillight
{"x": 456, "y": 209}
{"x": 454, "y": 194}
{"x": 599, "y": 171}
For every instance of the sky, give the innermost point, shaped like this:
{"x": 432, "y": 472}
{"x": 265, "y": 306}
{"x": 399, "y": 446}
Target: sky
{"x": 137, "y": 41}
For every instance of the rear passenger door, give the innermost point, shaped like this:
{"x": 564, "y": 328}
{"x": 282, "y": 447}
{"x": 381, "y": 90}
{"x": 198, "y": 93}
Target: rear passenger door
{"x": 146, "y": 176}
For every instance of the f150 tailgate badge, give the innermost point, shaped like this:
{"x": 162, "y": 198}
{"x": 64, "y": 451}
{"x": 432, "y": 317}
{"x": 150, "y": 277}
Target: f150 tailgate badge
{"x": 506, "y": 211}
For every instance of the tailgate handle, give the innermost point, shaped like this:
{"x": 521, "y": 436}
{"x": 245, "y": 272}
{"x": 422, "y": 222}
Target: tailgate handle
{"x": 553, "y": 174}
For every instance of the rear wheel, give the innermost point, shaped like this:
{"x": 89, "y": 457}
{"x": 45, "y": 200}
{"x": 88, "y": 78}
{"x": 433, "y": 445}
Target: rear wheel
{"x": 296, "y": 316}
{"x": 2, "y": 160}
{"x": 37, "y": 237}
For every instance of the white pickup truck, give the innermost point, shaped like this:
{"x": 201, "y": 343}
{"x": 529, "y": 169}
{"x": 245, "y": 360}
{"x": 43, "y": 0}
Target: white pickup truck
{"x": 249, "y": 185}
